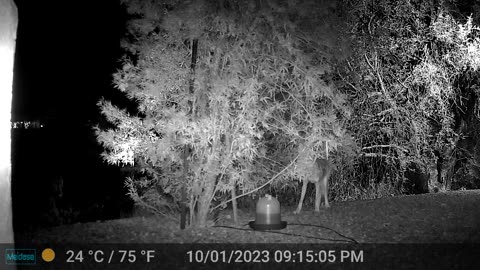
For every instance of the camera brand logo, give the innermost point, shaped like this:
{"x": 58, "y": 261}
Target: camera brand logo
{"x": 20, "y": 256}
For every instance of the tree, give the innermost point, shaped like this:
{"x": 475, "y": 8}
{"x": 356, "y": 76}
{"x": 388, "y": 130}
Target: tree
{"x": 449, "y": 74}
{"x": 259, "y": 92}
{"x": 402, "y": 80}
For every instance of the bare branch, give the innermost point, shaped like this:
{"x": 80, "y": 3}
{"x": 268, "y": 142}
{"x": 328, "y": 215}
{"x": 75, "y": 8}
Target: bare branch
{"x": 385, "y": 146}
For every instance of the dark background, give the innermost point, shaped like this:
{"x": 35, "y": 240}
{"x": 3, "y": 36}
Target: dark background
{"x": 65, "y": 56}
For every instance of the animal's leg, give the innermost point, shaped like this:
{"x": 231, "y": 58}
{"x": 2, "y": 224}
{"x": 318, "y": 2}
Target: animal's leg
{"x": 304, "y": 190}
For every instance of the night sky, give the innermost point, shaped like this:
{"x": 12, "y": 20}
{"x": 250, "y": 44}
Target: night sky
{"x": 66, "y": 54}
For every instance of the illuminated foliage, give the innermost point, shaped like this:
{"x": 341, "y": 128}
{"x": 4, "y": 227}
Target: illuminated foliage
{"x": 259, "y": 91}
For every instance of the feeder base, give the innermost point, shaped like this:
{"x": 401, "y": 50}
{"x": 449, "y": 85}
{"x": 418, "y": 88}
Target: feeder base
{"x": 263, "y": 227}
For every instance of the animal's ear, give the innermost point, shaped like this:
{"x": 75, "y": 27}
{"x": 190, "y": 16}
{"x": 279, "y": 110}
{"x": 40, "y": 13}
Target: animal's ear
{"x": 334, "y": 167}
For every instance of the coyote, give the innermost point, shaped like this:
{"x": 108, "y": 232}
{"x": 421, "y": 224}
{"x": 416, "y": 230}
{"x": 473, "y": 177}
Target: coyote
{"x": 319, "y": 175}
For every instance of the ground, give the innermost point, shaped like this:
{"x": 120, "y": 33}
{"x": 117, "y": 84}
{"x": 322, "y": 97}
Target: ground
{"x": 451, "y": 217}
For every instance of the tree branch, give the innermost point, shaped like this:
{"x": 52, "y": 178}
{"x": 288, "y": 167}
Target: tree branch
{"x": 385, "y": 146}
{"x": 260, "y": 187}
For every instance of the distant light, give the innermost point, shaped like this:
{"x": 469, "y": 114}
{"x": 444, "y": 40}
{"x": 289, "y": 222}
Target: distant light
{"x": 27, "y": 125}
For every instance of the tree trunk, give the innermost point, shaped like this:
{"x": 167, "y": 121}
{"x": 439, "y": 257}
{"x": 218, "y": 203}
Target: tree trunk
{"x": 234, "y": 205}
{"x": 448, "y": 170}
{"x": 204, "y": 201}
{"x": 447, "y": 161}
{"x": 228, "y": 144}
{"x": 183, "y": 191}
{"x": 8, "y": 33}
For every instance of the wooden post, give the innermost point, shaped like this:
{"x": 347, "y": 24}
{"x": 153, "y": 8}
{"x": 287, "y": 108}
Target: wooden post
{"x": 8, "y": 33}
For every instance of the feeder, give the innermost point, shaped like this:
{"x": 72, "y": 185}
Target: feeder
{"x": 268, "y": 215}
